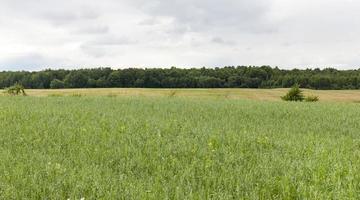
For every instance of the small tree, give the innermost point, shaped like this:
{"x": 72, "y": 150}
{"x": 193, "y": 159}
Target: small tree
{"x": 294, "y": 94}
{"x": 16, "y": 90}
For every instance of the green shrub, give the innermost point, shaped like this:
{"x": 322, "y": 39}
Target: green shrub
{"x": 16, "y": 90}
{"x": 312, "y": 99}
{"x": 294, "y": 94}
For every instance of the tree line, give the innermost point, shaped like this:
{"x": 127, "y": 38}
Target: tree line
{"x": 226, "y": 77}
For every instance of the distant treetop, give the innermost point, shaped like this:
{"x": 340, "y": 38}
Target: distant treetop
{"x": 226, "y": 77}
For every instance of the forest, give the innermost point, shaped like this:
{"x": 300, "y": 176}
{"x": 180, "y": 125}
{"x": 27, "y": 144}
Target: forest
{"x": 226, "y": 77}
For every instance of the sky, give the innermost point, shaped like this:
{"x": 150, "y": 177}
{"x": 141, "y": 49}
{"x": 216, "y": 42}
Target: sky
{"x": 69, "y": 34}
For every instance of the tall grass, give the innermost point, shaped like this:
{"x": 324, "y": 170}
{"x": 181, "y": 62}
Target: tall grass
{"x": 174, "y": 148}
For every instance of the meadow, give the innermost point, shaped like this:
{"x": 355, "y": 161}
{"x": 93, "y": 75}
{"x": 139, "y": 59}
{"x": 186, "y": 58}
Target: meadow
{"x": 71, "y": 146}
{"x": 349, "y": 96}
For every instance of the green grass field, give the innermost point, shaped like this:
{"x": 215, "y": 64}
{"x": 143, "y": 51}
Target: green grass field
{"x": 161, "y": 147}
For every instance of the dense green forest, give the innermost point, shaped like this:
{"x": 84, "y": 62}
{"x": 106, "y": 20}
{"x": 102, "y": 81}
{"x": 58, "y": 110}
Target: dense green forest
{"x": 227, "y": 77}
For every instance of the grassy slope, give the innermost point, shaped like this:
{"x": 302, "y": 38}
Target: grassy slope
{"x": 177, "y": 148}
{"x": 254, "y": 94}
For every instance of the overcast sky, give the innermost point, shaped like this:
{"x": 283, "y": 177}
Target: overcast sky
{"x": 39, "y": 34}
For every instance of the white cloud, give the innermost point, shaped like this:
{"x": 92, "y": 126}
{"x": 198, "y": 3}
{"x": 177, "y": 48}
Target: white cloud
{"x": 151, "y": 33}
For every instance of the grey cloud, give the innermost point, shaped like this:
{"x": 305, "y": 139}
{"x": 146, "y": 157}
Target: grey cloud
{"x": 205, "y": 15}
{"x": 100, "y": 46}
{"x": 57, "y": 12}
{"x": 179, "y": 32}
{"x": 219, "y": 40}
{"x": 89, "y": 14}
{"x": 149, "y": 22}
{"x": 30, "y": 61}
{"x": 111, "y": 41}
{"x": 100, "y": 29}
{"x": 62, "y": 18}
{"x": 94, "y": 51}
{"x": 177, "y": 29}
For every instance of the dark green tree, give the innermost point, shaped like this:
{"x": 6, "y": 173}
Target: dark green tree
{"x": 76, "y": 79}
{"x": 57, "y": 84}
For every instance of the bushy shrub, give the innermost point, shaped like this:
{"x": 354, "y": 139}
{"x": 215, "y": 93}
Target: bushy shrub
{"x": 312, "y": 99}
{"x": 16, "y": 90}
{"x": 294, "y": 94}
